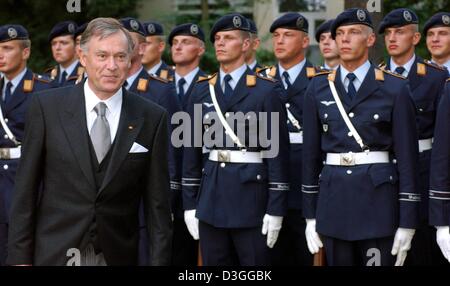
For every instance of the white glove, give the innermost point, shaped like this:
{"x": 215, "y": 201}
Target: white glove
{"x": 271, "y": 226}
{"x": 191, "y": 223}
{"x": 312, "y": 237}
{"x": 443, "y": 240}
{"x": 402, "y": 243}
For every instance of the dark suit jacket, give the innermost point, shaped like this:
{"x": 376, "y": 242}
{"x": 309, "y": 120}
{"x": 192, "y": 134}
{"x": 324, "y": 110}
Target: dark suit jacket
{"x": 56, "y": 153}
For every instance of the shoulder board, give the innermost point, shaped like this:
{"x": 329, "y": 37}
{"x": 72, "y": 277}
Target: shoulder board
{"x": 322, "y": 72}
{"x": 80, "y": 70}
{"x": 431, "y": 64}
{"x": 74, "y": 77}
{"x": 379, "y": 75}
{"x": 393, "y": 74}
{"x": 261, "y": 69}
{"x": 421, "y": 69}
{"x": 79, "y": 78}
{"x": 202, "y": 78}
{"x": 272, "y": 72}
{"x": 265, "y": 78}
{"x": 251, "y": 80}
{"x": 28, "y": 85}
{"x": 152, "y": 76}
{"x": 212, "y": 79}
{"x": 310, "y": 72}
{"x": 41, "y": 78}
{"x": 142, "y": 85}
{"x": 164, "y": 74}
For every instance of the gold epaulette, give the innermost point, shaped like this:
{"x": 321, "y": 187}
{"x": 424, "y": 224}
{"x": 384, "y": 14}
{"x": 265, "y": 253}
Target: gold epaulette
{"x": 272, "y": 71}
{"x": 164, "y": 80}
{"x": 261, "y": 69}
{"x": 392, "y": 73}
{"x": 80, "y": 70}
{"x": 314, "y": 71}
{"x": 142, "y": 85}
{"x": 251, "y": 80}
{"x": 164, "y": 74}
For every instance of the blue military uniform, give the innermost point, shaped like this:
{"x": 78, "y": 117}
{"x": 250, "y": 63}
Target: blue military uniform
{"x": 356, "y": 191}
{"x": 440, "y": 164}
{"x": 441, "y": 19}
{"x": 426, "y": 82}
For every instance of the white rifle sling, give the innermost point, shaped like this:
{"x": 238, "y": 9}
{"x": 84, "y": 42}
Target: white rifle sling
{"x": 222, "y": 119}
{"x": 345, "y": 116}
{"x": 7, "y": 130}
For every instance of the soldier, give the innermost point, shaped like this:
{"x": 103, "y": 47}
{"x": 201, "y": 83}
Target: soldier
{"x": 327, "y": 46}
{"x": 358, "y": 118}
{"x": 437, "y": 33}
{"x": 16, "y": 87}
{"x": 153, "y": 51}
{"x": 78, "y": 33}
{"x": 162, "y": 92}
{"x": 290, "y": 41}
{"x": 250, "y": 55}
{"x": 440, "y": 175}
{"x": 401, "y": 34}
{"x": 187, "y": 42}
{"x": 62, "y": 40}
{"x": 239, "y": 189}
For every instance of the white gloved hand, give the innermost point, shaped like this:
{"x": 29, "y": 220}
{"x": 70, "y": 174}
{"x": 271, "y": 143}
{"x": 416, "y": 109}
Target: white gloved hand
{"x": 191, "y": 223}
{"x": 312, "y": 237}
{"x": 443, "y": 240}
{"x": 402, "y": 243}
{"x": 271, "y": 226}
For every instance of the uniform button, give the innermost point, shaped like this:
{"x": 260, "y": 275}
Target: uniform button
{"x": 391, "y": 178}
{"x": 394, "y": 161}
{"x": 421, "y": 109}
{"x": 5, "y": 136}
{"x": 288, "y": 105}
{"x": 227, "y": 115}
{"x": 248, "y": 117}
{"x": 206, "y": 116}
{"x": 5, "y": 167}
{"x": 349, "y": 172}
{"x": 288, "y": 121}
{"x": 207, "y": 130}
{"x": 349, "y": 134}
{"x": 376, "y": 116}
{"x": 203, "y": 170}
{"x": 6, "y": 120}
{"x": 351, "y": 115}
{"x": 222, "y": 165}
{"x": 325, "y": 116}
{"x": 258, "y": 177}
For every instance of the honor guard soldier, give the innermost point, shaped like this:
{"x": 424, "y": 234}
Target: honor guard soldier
{"x": 80, "y": 30}
{"x": 440, "y": 175}
{"x": 162, "y": 92}
{"x": 327, "y": 46}
{"x": 154, "y": 49}
{"x": 16, "y": 87}
{"x": 290, "y": 41}
{"x": 62, "y": 40}
{"x": 426, "y": 81}
{"x": 250, "y": 55}
{"x": 239, "y": 194}
{"x": 187, "y": 46}
{"x": 437, "y": 33}
{"x": 363, "y": 205}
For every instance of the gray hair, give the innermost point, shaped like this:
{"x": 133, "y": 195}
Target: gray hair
{"x": 103, "y": 28}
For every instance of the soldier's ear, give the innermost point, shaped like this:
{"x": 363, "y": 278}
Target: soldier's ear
{"x": 416, "y": 38}
{"x": 26, "y": 52}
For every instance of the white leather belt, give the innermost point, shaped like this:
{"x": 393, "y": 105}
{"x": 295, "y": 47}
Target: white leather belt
{"x": 425, "y": 144}
{"x": 10, "y": 153}
{"x": 228, "y": 156}
{"x": 296, "y": 137}
{"x": 360, "y": 158}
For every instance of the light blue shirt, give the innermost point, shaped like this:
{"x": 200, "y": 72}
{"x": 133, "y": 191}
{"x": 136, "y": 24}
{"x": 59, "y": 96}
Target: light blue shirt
{"x": 360, "y": 74}
{"x": 132, "y": 78}
{"x": 155, "y": 68}
{"x": 15, "y": 82}
{"x": 293, "y": 72}
{"x": 188, "y": 78}
{"x": 235, "y": 77}
{"x": 330, "y": 68}
{"x": 252, "y": 65}
{"x": 68, "y": 70}
{"x": 407, "y": 66}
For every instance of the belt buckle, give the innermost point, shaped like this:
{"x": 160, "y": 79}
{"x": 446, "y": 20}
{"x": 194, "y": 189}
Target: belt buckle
{"x": 224, "y": 156}
{"x": 5, "y": 153}
{"x": 347, "y": 159}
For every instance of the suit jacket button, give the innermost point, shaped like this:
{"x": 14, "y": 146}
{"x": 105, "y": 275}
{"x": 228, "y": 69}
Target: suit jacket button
{"x": 5, "y": 167}
{"x": 222, "y": 165}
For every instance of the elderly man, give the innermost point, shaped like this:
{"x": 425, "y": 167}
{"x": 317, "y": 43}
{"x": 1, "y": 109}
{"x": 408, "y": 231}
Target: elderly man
{"x": 98, "y": 150}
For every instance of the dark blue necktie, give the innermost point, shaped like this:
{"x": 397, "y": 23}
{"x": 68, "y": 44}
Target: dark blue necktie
{"x": 8, "y": 92}
{"x": 286, "y": 79}
{"x": 351, "y": 88}
{"x": 228, "y": 90}
{"x": 400, "y": 70}
{"x": 181, "y": 83}
{"x": 63, "y": 78}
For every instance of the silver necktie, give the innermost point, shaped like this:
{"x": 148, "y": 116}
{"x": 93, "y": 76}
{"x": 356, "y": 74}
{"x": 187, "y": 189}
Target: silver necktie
{"x": 100, "y": 133}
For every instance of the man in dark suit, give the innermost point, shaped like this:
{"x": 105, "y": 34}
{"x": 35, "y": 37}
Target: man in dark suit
{"x": 93, "y": 178}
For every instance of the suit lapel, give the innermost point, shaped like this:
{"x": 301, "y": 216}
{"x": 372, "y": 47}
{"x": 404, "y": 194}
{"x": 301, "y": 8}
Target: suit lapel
{"x": 73, "y": 119}
{"x": 368, "y": 87}
{"x": 128, "y": 129}
{"x": 240, "y": 91}
{"x": 414, "y": 79}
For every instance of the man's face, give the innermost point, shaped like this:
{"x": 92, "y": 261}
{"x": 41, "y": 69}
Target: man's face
{"x": 154, "y": 48}
{"x": 288, "y": 44}
{"x": 401, "y": 40}
{"x": 12, "y": 56}
{"x": 107, "y": 62}
{"x": 438, "y": 42}
{"x": 186, "y": 49}
{"x": 328, "y": 46}
{"x": 63, "y": 49}
{"x": 254, "y": 45}
{"x": 353, "y": 41}
{"x": 139, "y": 47}
{"x": 230, "y": 46}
